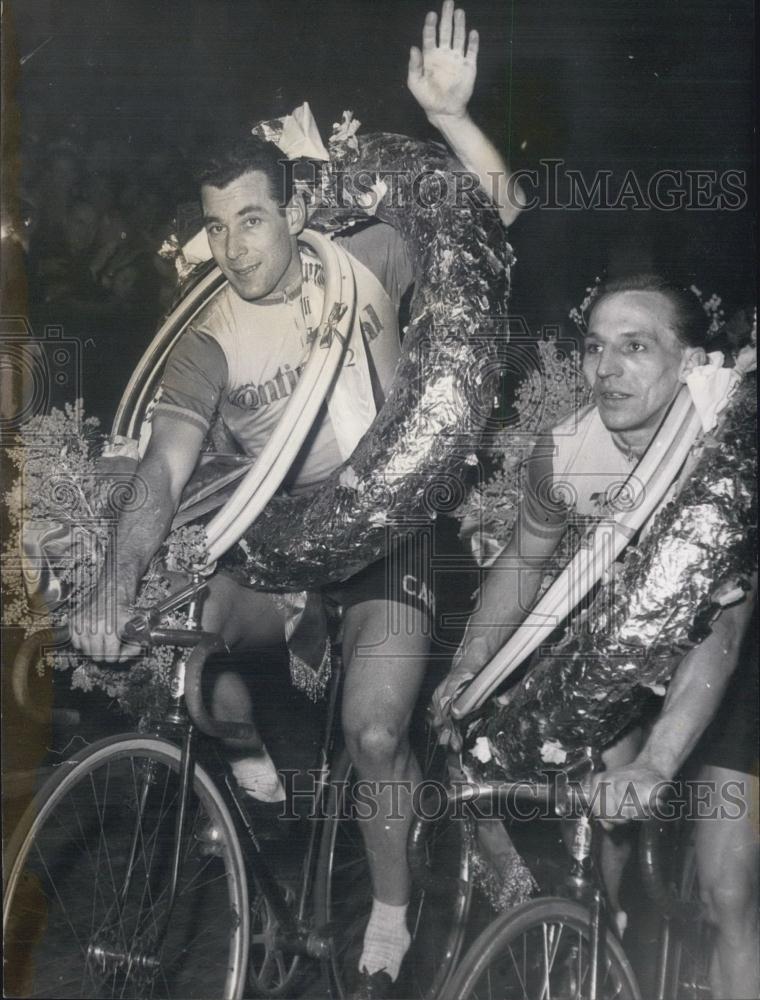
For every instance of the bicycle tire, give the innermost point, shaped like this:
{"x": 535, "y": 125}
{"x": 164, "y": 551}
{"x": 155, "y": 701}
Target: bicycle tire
{"x": 343, "y": 898}
{"x": 492, "y": 968}
{"x": 692, "y": 948}
{"x": 76, "y": 924}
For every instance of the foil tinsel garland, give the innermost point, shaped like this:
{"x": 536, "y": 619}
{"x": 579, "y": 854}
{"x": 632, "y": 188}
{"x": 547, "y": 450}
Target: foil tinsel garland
{"x": 640, "y": 624}
{"x": 411, "y": 460}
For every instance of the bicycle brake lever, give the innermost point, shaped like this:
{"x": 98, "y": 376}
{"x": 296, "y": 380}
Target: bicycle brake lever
{"x": 175, "y": 601}
{"x": 140, "y": 628}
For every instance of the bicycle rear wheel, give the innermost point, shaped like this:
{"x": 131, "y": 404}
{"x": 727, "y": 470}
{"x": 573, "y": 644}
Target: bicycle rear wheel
{"x": 437, "y": 914}
{"x": 86, "y": 897}
{"x": 540, "y": 951}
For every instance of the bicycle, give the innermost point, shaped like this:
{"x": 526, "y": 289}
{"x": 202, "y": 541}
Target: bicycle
{"x": 564, "y": 945}
{"x": 111, "y": 889}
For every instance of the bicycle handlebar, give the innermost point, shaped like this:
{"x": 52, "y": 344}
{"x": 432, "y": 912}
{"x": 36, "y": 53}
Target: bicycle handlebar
{"x": 244, "y": 733}
{"x": 562, "y": 797}
{"x": 529, "y": 792}
{"x": 140, "y": 630}
{"x": 26, "y": 657}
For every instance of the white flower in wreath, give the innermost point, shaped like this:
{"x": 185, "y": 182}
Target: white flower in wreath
{"x": 345, "y": 131}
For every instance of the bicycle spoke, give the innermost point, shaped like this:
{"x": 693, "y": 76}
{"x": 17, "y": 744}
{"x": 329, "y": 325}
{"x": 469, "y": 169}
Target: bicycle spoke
{"x": 517, "y": 970}
{"x": 540, "y": 951}
{"x": 91, "y": 888}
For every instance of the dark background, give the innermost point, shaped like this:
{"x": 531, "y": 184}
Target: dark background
{"x": 602, "y": 85}
{"x": 137, "y": 86}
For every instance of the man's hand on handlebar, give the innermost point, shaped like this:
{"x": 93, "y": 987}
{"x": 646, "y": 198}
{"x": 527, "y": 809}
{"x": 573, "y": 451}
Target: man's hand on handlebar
{"x": 627, "y": 793}
{"x": 440, "y": 707}
{"x": 97, "y": 627}
{"x": 474, "y": 652}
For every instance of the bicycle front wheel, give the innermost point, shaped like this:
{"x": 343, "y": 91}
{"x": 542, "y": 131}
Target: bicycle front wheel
{"x": 694, "y": 942}
{"x": 87, "y": 910}
{"x": 540, "y": 951}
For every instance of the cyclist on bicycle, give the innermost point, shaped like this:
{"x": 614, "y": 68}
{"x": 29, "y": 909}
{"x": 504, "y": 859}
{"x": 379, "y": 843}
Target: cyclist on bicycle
{"x": 239, "y": 361}
{"x": 643, "y": 337}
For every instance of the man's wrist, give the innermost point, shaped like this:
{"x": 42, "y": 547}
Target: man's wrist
{"x": 123, "y": 599}
{"x": 126, "y": 590}
{"x": 475, "y": 653}
{"x": 665, "y": 768}
{"x": 445, "y": 121}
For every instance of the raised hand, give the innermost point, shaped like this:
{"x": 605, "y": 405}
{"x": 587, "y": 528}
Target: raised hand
{"x": 442, "y": 75}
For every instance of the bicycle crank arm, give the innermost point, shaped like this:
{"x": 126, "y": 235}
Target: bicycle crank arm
{"x": 312, "y": 944}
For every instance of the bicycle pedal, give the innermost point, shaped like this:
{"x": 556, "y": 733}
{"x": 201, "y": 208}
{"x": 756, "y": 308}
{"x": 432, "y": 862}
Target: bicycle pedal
{"x": 267, "y": 821}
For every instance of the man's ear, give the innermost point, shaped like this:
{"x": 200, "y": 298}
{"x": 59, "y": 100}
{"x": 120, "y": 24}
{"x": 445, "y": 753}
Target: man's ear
{"x": 693, "y": 357}
{"x": 295, "y": 213}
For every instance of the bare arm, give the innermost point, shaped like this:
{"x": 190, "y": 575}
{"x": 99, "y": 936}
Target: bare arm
{"x": 441, "y": 77}
{"x": 696, "y": 693}
{"x": 507, "y": 595}
{"x": 163, "y": 472}
{"x": 693, "y": 698}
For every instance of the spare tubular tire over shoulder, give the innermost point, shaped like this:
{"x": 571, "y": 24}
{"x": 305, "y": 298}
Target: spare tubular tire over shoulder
{"x": 410, "y": 463}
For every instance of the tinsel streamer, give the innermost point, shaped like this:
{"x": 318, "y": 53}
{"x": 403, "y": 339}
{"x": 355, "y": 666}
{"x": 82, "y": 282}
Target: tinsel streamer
{"x": 411, "y": 460}
{"x": 313, "y": 682}
{"x": 504, "y": 888}
{"x": 639, "y": 625}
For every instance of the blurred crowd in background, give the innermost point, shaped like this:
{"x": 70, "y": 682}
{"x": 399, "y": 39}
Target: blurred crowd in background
{"x": 106, "y": 104}
{"x": 90, "y": 228}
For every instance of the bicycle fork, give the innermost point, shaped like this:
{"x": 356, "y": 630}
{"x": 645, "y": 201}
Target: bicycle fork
{"x": 111, "y": 955}
{"x": 583, "y": 887}
{"x": 110, "y": 952}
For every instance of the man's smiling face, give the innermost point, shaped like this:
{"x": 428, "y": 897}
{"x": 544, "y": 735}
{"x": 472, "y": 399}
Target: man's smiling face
{"x": 252, "y": 238}
{"x": 634, "y": 361}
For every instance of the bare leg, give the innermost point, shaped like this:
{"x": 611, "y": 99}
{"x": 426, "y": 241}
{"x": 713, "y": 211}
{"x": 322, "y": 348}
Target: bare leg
{"x": 616, "y": 844}
{"x": 245, "y": 619}
{"x": 383, "y": 677}
{"x": 727, "y": 866}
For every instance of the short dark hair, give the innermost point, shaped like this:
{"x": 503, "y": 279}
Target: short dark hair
{"x": 229, "y": 159}
{"x": 692, "y": 323}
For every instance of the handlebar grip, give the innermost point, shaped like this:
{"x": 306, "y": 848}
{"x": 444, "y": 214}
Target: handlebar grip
{"x": 142, "y": 631}
{"x": 137, "y": 630}
{"x": 658, "y": 886}
{"x": 416, "y": 855}
{"x": 244, "y": 733}
{"x": 26, "y": 657}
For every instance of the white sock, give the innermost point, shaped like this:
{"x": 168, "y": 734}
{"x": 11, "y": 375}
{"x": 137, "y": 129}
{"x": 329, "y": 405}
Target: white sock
{"x": 386, "y": 939}
{"x": 258, "y": 777}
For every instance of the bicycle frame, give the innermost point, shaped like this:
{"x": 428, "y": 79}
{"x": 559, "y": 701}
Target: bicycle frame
{"x": 675, "y": 914}
{"x": 583, "y": 882}
{"x": 186, "y": 717}
{"x": 186, "y": 713}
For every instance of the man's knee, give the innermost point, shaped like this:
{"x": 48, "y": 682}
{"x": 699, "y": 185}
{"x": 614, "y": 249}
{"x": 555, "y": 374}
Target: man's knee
{"x": 245, "y": 618}
{"x": 374, "y": 743}
{"x": 220, "y": 598}
{"x": 728, "y": 891}
{"x": 230, "y": 699}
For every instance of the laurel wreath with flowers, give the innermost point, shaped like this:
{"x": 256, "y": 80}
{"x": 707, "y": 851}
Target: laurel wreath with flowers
{"x": 552, "y": 389}
{"x": 60, "y": 481}
{"x": 713, "y": 307}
